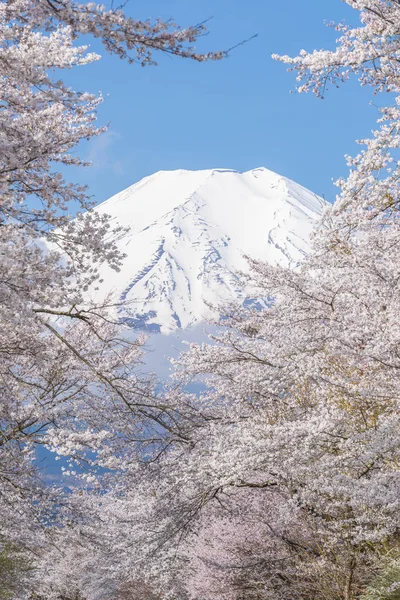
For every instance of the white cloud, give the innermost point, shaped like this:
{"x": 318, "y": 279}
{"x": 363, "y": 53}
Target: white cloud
{"x": 100, "y": 153}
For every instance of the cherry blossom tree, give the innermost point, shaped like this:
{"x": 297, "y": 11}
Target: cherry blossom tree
{"x": 69, "y": 371}
{"x": 281, "y": 479}
{"x": 370, "y": 52}
{"x": 301, "y": 400}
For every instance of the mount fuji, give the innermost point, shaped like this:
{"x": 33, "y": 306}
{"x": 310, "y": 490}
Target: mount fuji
{"x": 189, "y": 234}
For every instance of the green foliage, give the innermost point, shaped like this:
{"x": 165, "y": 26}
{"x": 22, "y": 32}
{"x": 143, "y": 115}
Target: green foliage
{"x": 14, "y": 566}
{"x": 386, "y": 586}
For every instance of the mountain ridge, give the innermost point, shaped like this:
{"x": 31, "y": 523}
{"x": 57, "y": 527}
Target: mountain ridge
{"x": 189, "y": 234}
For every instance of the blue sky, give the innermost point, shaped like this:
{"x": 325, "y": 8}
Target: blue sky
{"x": 237, "y": 113}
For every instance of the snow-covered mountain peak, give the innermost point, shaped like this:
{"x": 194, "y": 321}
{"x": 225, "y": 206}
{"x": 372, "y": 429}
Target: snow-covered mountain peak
{"x": 189, "y": 233}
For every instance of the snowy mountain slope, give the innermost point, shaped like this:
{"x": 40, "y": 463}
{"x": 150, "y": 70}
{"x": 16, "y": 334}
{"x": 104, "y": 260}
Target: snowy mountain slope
{"x": 189, "y": 232}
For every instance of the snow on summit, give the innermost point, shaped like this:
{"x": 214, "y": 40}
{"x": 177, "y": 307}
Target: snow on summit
{"x": 189, "y": 233}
